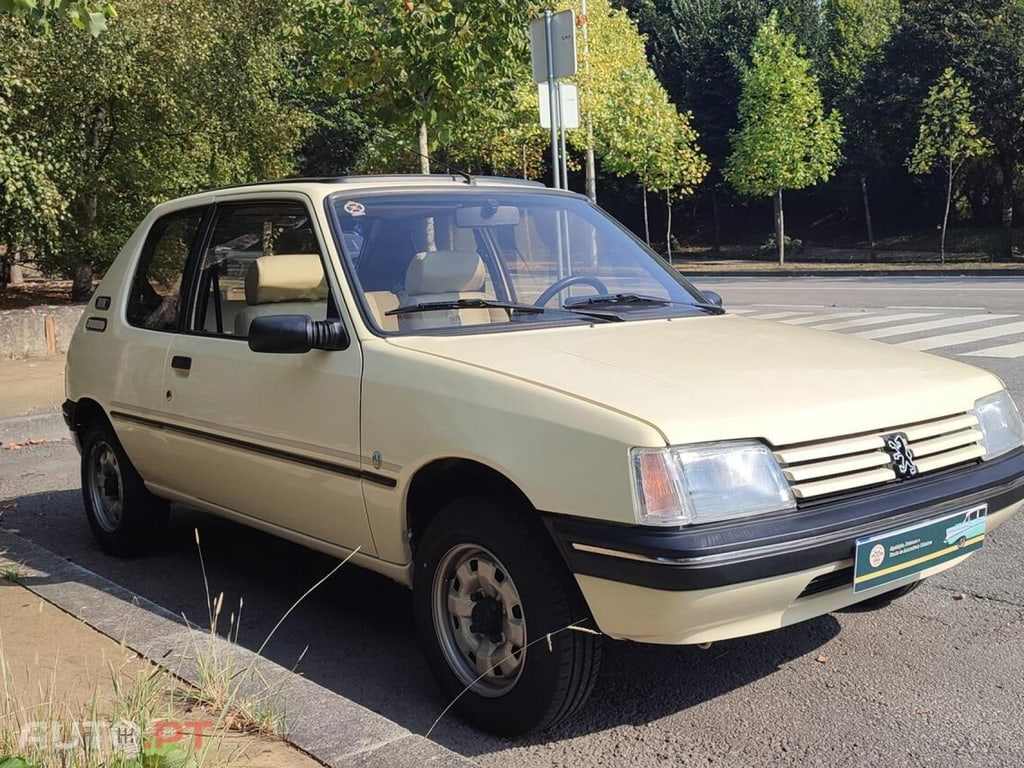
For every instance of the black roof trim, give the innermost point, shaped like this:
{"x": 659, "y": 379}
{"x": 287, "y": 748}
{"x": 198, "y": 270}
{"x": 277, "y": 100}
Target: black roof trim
{"x": 477, "y": 180}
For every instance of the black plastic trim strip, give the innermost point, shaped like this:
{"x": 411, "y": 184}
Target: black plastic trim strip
{"x": 715, "y": 555}
{"x": 327, "y": 466}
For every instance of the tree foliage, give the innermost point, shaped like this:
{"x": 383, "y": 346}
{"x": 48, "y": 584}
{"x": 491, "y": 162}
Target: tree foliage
{"x": 178, "y": 96}
{"x": 415, "y": 64}
{"x": 785, "y": 140}
{"x": 947, "y": 137}
{"x": 89, "y": 15}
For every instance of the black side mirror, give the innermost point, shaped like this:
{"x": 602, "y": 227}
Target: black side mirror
{"x": 295, "y": 334}
{"x": 713, "y": 297}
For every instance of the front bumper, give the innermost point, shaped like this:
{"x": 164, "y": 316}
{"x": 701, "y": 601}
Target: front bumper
{"x": 744, "y": 576}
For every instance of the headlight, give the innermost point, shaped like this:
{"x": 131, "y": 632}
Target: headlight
{"x": 1000, "y": 424}
{"x": 705, "y": 483}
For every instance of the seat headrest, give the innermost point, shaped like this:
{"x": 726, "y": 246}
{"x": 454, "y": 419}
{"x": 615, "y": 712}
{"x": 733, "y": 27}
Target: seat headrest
{"x": 285, "y": 277}
{"x": 444, "y": 272}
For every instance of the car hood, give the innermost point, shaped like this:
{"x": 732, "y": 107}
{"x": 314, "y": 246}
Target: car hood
{"x": 698, "y": 379}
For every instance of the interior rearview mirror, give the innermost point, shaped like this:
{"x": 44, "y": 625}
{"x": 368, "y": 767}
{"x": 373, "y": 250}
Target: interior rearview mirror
{"x": 486, "y": 215}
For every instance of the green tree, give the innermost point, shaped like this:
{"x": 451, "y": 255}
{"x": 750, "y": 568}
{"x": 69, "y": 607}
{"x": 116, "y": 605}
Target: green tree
{"x": 855, "y": 33}
{"x": 635, "y": 128}
{"x": 414, "y": 64}
{"x": 785, "y": 141}
{"x": 178, "y": 96}
{"x": 947, "y": 137}
{"x": 983, "y": 41}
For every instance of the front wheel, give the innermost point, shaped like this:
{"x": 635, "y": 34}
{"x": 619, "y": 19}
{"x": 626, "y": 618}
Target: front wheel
{"x": 493, "y": 605}
{"x": 125, "y": 517}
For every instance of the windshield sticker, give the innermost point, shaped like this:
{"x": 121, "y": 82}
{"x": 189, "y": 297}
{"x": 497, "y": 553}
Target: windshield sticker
{"x": 353, "y": 208}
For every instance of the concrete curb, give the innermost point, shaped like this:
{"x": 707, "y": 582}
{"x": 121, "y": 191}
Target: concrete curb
{"x": 329, "y": 727}
{"x": 38, "y": 426}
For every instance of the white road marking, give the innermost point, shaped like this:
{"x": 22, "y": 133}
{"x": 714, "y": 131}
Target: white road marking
{"x": 966, "y": 337}
{"x": 969, "y": 309}
{"x": 1005, "y": 351}
{"x": 875, "y": 320}
{"x": 929, "y": 325}
{"x": 823, "y": 318}
{"x": 780, "y": 315}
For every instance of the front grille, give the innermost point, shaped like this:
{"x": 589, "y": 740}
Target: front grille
{"x": 857, "y": 461}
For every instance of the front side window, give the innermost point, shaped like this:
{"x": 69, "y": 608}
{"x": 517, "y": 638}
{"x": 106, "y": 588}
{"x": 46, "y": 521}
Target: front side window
{"x": 155, "y": 297}
{"x": 261, "y": 259}
{"x": 448, "y": 260}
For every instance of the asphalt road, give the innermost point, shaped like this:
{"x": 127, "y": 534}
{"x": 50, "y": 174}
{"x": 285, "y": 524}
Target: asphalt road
{"x": 936, "y": 679}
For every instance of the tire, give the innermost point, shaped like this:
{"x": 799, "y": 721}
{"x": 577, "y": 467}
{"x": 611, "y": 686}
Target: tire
{"x": 885, "y": 599}
{"x": 961, "y": 542}
{"x": 125, "y": 518}
{"x": 493, "y": 560}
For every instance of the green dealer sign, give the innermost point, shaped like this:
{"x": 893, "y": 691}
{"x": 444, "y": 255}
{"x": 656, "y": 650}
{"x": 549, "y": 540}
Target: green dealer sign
{"x": 893, "y": 555}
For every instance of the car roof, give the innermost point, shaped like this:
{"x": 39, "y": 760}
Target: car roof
{"x": 319, "y": 183}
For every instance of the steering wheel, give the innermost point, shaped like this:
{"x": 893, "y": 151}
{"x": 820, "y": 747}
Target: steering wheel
{"x": 560, "y": 285}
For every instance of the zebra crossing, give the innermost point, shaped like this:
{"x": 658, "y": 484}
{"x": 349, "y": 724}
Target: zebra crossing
{"x": 960, "y": 332}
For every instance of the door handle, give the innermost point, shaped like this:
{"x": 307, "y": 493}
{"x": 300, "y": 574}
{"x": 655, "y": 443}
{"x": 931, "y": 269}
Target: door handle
{"x": 181, "y": 363}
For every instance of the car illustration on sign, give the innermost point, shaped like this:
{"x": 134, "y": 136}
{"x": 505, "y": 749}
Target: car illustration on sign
{"x": 971, "y": 526}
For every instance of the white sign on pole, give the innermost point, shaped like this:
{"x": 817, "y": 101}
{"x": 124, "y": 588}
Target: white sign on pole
{"x": 563, "y": 46}
{"x": 569, "y": 98}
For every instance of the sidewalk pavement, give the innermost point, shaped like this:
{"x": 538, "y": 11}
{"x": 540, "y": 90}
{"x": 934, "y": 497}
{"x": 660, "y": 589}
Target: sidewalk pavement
{"x": 332, "y": 729}
{"x": 31, "y": 393}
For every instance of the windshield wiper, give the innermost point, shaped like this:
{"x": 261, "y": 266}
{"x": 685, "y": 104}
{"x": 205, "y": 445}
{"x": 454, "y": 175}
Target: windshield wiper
{"x": 526, "y": 309}
{"x": 634, "y": 299}
{"x": 615, "y": 299}
{"x": 431, "y": 306}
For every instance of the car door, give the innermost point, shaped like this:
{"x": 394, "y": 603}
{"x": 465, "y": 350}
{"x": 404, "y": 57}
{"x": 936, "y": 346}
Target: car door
{"x": 273, "y": 438}
{"x": 150, "y": 314}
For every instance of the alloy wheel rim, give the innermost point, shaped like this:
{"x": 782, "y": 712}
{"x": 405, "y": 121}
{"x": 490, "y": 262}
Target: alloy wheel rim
{"x": 106, "y": 489}
{"x": 479, "y": 620}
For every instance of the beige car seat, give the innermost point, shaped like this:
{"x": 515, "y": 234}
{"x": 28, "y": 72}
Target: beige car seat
{"x": 446, "y": 276}
{"x": 283, "y": 284}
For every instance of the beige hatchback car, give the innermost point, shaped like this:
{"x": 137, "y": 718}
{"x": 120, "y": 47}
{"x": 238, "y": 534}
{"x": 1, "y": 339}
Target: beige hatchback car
{"x": 491, "y": 392}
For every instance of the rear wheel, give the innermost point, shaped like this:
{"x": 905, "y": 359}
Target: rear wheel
{"x": 488, "y": 584}
{"x": 125, "y": 518}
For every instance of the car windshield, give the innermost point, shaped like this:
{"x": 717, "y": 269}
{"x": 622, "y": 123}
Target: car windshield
{"x": 485, "y": 259}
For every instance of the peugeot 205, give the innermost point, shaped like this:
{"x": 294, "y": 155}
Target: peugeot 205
{"x": 493, "y": 393}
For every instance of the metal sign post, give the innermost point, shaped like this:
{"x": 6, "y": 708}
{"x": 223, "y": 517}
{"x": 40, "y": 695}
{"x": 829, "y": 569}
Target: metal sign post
{"x": 553, "y": 55}
{"x": 552, "y": 100}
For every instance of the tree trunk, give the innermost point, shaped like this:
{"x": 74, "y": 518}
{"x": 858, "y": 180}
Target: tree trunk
{"x": 424, "y": 154}
{"x": 867, "y": 215}
{"x": 81, "y": 286}
{"x": 780, "y": 229}
{"x": 1006, "y": 246}
{"x": 647, "y": 225}
{"x": 945, "y": 218}
{"x": 668, "y": 224}
{"x": 716, "y": 224}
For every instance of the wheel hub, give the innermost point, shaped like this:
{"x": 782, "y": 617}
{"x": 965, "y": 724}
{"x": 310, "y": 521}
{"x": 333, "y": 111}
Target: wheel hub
{"x": 487, "y": 617}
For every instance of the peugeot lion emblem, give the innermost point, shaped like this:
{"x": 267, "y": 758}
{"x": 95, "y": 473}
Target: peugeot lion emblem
{"x": 902, "y": 458}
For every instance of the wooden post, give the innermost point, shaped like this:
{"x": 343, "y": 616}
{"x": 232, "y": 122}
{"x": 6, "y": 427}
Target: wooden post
{"x": 51, "y": 335}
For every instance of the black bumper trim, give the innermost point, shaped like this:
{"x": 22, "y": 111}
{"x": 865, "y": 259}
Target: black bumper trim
{"x": 68, "y": 410}
{"x": 716, "y": 555}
